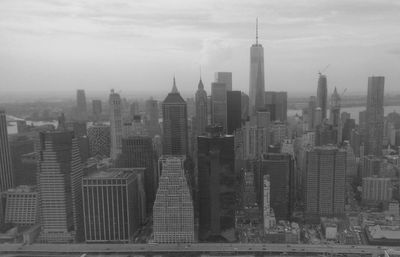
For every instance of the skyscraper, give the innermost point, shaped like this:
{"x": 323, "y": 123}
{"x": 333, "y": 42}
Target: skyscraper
{"x": 324, "y": 181}
{"x": 280, "y": 168}
{"x": 226, "y": 78}
{"x": 137, "y": 151}
{"x": 6, "y": 172}
{"x": 234, "y": 111}
{"x": 152, "y": 114}
{"x": 173, "y": 215}
{"x": 60, "y": 191}
{"x": 334, "y": 116}
{"x": 99, "y": 140}
{"x": 113, "y": 204}
{"x": 97, "y": 109}
{"x": 322, "y": 95}
{"x": 81, "y": 104}
{"x": 374, "y": 116}
{"x": 175, "y": 124}
{"x": 277, "y": 101}
{"x": 257, "y": 80}
{"x": 201, "y": 109}
{"x": 217, "y": 184}
{"x": 115, "y": 124}
{"x": 218, "y": 104}
{"x": 311, "y": 113}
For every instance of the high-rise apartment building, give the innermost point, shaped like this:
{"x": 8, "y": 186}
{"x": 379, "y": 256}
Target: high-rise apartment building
{"x": 257, "y": 80}
{"x": 6, "y": 173}
{"x": 137, "y": 151}
{"x": 280, "y": 168}
{"x": 175, "y": 124}
{"x": 60, "y": 191}
{"x": 322, "y": 95}
{"x": 374, "y": 116}
{"x": 218, "y": 105}
{"x": 324, "y": 181}
{"x": 217, "y": 184}
{"x": 173, "y": 214}
{"x": 226, "y": 78}
{"x": 115, "y": 124}
{"x": 99, "y": 136}
{"x": 201, "y": 109}
{"x": 114, "y": 205}
{"x": 234, "y": 111}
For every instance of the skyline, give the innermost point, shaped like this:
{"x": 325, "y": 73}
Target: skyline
{"x": 100, "y": 46}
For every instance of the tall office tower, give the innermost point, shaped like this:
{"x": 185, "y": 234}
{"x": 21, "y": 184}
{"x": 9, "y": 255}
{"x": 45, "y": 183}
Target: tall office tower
{"x": 370, "y": 166}
{"x": 322, "y": 95}
{"x": 97, "y": 109}
{"x": 351, "y": 163}
{"x": 324, "y": 181}
{"x": 175, "y": 124}
{"x": 374, "y": 116}
{"x": 348, "y": 126}
{"x": 376, "y": 190}
{"x": 276, "y": 104}
{"x": 133, "y": 110}
{"x": 60, "y": 191}
{"x": 99, "y": 136}
{"x": 173, "y": 214}
{"x": 278, "y": 132}
{"x": 226, "y": 78}
{"x": 245, "y": 107}
{"x": 20, "y": 145}
{"x": 312, "y": 105}
{"x": 201, "y": 109}
{"x": 268, "y": 213}
{"x": 234, "y": 111}
{"x": 113, "y": 205}
{"x": 115, "y": 124}
{"x": 6, "y": 172}
{"x": 152, "y": 114}
{"x": 362, "y": 122}
{"x": 218, "y": 105}
{"x": 22, "y": 206}
{"x": 137, "y": 151}
{"x": 257, "y": 80}
{"x": 334, "y": 116}
{"x": 80, "y": 130}
{"x": 217, "y": 185}
{"x": 81, "y": 100}
{"x": 280, "y": 168}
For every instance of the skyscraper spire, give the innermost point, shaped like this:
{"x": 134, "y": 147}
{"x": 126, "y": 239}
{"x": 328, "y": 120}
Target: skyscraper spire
{"x": 257, "y": 31}
{"x": 174, "y": 88}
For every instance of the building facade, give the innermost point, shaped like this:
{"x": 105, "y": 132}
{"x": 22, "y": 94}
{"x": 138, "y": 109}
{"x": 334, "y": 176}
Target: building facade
{"x": 322, "y": 95}
{"x": 60, "y": 191}
{"x": 6, "y": 173}
{"x": 114, "y": 205}
{"x": 173, "y": 214}
{"x": 234, "y": 113}
{"x": 99, "y": 136}
{"x": 175, "y": 124}
{"x": 115, "y": 124}
{"x": 201, "y": 109}
{"x": 224, "y": 77}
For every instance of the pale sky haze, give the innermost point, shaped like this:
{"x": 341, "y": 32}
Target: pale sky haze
{"x": 138, "y": 45}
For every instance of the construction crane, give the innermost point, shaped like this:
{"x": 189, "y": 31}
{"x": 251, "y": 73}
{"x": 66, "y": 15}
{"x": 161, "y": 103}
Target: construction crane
{"x": 324, "y": 69}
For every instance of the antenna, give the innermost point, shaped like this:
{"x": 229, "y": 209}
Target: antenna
{"x": 257, "y": 31}
{"x": 324, "y": 69}
{"x": 200, "y": 71}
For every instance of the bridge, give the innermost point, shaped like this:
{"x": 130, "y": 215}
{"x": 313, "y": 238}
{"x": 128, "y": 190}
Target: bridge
{"x": 200, "y": 248}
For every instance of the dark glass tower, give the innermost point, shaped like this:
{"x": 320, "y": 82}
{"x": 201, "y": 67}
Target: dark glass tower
{"x": 234, "y": 110}
{"x": 322, "y": 95}
{"x": 374, "y": 116}
{"x": 175, "y": 124}
{"x": 257, "y": 80}
{"x": 217, "y": 185}
{"x": 6, "y": 175}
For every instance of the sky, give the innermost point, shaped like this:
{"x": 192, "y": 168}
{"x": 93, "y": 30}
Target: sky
{"x": 137, "y": 46}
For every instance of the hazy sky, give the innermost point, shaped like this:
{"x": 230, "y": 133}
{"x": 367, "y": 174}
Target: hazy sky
{"x": 137, "y": 45}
